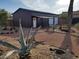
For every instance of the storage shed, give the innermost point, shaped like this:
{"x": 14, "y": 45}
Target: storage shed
{"x": 31, "y": 18}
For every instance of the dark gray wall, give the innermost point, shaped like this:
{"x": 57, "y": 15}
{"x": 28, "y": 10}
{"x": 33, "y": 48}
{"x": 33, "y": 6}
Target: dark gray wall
{"x": 25, "y": 18}
{"x": 44, "y": 22}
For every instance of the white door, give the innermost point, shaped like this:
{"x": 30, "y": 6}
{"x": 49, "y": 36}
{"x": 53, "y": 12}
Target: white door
{"x": 50, "y": 21}
{"x": 34, "y": 22}
{"x": 56, "y": 20}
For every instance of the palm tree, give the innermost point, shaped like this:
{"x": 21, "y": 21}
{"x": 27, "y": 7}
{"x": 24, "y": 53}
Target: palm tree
{"x": 67, "y": 43}
{"x": 70, "y": 14}
{"x": 69, "y": 22}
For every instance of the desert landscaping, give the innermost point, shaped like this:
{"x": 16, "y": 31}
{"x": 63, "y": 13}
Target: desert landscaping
{"x": 39, "y": 29}
{"x": 42, "y": 51}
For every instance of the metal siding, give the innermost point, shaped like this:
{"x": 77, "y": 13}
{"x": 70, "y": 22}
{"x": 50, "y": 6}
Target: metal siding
{"x": 26, "y": 18}
{"x": 43, "y": 22}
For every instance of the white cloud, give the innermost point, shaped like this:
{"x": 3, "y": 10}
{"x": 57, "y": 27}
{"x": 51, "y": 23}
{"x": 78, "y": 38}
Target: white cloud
{"x": 61, "y": 10}
{"x": 76, "y": 6}
{"x": 37, "y": 5}
{"x": 65, "y": 2}
{"x": 42, "y": 5}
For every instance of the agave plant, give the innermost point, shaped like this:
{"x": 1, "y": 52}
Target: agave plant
{"x": 26, "y": 44}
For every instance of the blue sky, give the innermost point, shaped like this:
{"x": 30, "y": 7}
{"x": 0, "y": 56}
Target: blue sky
{"x": 52, "y": 6}
{"x": 10, "y": 5}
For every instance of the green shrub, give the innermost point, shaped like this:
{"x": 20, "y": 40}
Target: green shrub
{"x": 76, "y": 26}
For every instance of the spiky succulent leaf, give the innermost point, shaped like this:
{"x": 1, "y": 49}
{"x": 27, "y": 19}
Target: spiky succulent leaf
{"x": 21, "y": 39}
{"x": 30, "y": 46}
{"x": 8, "y": 45}
{"x": 9, "y": 53}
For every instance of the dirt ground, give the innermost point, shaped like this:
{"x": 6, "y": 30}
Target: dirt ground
{"x": 50, "y": 39}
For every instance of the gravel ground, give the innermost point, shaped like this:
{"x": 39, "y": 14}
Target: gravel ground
{"x": 49, "y": 38}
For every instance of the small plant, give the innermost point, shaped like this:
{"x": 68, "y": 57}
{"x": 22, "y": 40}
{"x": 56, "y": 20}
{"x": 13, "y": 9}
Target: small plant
{"x": 60, "y": 53}
{"x": 76, "y": 26}
{"x": 26, "y": 44}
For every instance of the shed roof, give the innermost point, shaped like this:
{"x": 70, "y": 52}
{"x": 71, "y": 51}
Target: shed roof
{"x": 35, "y": 11}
